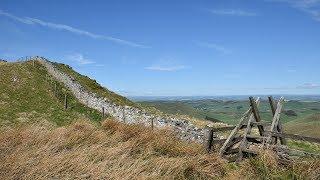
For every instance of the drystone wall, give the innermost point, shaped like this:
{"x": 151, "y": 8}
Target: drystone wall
{"x": 127, "y": 114}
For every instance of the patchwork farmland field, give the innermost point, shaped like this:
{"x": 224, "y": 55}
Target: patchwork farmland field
{"x": 296, "y": 114}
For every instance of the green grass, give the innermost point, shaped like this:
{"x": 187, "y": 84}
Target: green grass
{"x": 174, "y": 108}
{"x": 304, "y": 146}
{"x": 27, "y": 96}
{"x": 308, "y": 126}
{"x": 92, "y": 86}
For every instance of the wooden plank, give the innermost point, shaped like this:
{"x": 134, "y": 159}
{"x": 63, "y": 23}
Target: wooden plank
{"x": 261, "y": 123}
{"x": 296, "y": 137}
{"x": 232, "y": 151}
{"x": 250, "y": 151}
{"x": 256, "y": 114}
{"x": 234, "y": 132}
{"x": 279, "y": 127}
{"x": 244, "y": 142}
{"x": 275, "y": 119}
{"x": 221, "y": 141}
{"x": 272, "y": 105}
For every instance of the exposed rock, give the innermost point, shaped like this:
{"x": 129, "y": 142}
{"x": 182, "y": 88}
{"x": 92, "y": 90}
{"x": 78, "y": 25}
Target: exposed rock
{"x": 290, "y": 112}
{"x": 239, "y": 107}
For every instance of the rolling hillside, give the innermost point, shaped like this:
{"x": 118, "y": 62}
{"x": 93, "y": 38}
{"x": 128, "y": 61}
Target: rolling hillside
{"x": 27, "y": 95}
{"x": 300, "y": 117}
{"x": 308, "y": 126}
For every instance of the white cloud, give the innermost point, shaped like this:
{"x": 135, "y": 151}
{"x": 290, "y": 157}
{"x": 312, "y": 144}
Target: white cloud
{"x": 34, "y": 21}
{"x": 232, "y": 12}
{"x": 165, "y": 68}
{"x": 311, "y": 7}
{"x": 309, "y": 86}
{"x": 166, "y": 64}
{"x": 214, "y": 46}
{"x": 79, "y": 59}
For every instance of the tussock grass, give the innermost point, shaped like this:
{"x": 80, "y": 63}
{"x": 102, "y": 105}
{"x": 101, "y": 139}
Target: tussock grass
{"x": 112, "y": 151}
{"x": 266, "y": 166}
{"x": 83, "y": 150}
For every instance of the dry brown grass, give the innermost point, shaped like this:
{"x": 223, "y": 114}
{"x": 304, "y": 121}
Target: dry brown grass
{"x": 112, "y": 151}
{"x": 267, "y": 166}
{"x": 117, "y": 151}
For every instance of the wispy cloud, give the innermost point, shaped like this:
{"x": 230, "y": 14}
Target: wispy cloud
{"x": 216, "y": 47}
{"x": 79, "y": 59}
{"x": 34, "y": 21}
{"x": 165, "y": 68}
{"x": 232, "y": 12}
{"x": 166, "y": 64}
{"x": 309, "y": 86}
{"x": 311, "y": 7}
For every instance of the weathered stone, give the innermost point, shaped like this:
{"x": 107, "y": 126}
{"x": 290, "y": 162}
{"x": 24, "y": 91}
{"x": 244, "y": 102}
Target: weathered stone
{"x": 185, "y": 129}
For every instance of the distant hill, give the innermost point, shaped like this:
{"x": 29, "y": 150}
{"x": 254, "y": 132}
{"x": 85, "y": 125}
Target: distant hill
{"x": 298, "y": 116}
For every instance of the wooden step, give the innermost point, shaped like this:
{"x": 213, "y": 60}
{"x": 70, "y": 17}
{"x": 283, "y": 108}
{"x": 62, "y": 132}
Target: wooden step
{"x": 232, "y": 151}
{"x": 255, "y": 139}
{"x": 249, "y": 151}
{"x": 261, "y": 123}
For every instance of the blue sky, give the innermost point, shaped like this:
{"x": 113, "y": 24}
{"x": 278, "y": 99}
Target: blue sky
{"x": 173, "y": 47}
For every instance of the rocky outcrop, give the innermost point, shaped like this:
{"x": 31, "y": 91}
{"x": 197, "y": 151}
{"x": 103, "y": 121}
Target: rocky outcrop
{"x": 290, "y": 112}
{"x": 184, "y": 129}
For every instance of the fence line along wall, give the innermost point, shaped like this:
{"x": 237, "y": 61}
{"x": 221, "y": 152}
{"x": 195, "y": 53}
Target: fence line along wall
{"x": 127, "y": 114}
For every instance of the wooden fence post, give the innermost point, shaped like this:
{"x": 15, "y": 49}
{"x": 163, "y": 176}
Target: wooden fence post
{"x": 152, "y": 123}
{"x": 65, "y": 101}
{"x": 209, "y": 140}
{"x": 123, "y": 116}
{"x": 55, "y": 89}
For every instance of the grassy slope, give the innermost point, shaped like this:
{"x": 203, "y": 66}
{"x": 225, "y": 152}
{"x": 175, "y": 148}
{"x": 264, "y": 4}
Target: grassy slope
{"x": 93, "y": 86}
{"x": 118, "y": 151}
{"x": 26, "y": 95}
{"x": 308, "y": 126}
